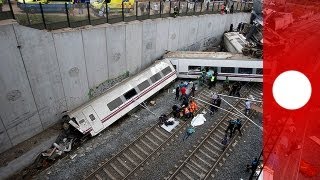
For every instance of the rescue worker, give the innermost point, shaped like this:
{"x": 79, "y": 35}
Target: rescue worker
{"x": 183, "y": 91}
{"x": 217, "y": 103}
{"x": 189, "y": 131}
{"x": 193, "y": 89}
{"x": 238, "y": 125}
{"x": 231, "y": 9}
{"x": 193, "y": 107}
{"x": 177, "y": 92}
{"x": 230, "y": 127}
{"x": 184, "y": 101}
{"x": 186, "y": 112}
{"x": 253, "y": 166}
{"x": 176, "y": 111}
{"x": 234, "y": 89}
{"x": 1, "y": 4}
{"x": 239, "y": 27}
{"x": 224, "y": 141}
{"x": 237, "y": 92}
{"x": 202, "y": 77}
{"x": 212, "y": 82}
{"x": 231, "y": 28}
{"x": 226, "y": 84}
{"x": 248, "y": 107}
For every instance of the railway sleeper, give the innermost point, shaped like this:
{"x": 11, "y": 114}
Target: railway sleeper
{"x": 109, "y": 174}
{"x": 118, "y": 169}
{"x": 207, "y": 155}
{"x": 213, "y": 145}
{"x": 144, "y": 151}
{"x": 130, "y": 159}
{"x": 198, "y": 156}
{"x": 152, "y": 140}
{"x": 210, "y": 150}
{"x": 192, "y": 170}
{"x": 198, "y": 165}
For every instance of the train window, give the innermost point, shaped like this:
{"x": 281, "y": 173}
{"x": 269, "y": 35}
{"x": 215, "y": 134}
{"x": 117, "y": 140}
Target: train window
{"x": 166, "y": 71}
{"x": 245, "y": 70}
{"x": 194, "y": 68}
{"x": 114, "y": 104}
{"x": 259, "y": 71}
{"x": 130, "y": 94}
{"x": 155, "y": 77}
{"x": 143, "y": 85}
{"x": 91, "y": 116}
{"x": 227, "y": 69}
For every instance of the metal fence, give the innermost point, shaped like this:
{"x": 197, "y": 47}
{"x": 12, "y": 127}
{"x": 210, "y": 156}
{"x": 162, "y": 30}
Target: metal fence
{"x": 57, "y": 16}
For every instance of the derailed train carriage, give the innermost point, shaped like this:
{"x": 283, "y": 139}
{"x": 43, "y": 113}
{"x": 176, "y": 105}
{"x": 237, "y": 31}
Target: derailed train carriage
{"x": 102, "y": 111}
{"x": 237, "y": 67}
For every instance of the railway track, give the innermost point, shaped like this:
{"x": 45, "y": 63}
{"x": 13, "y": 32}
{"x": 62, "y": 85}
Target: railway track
{"x": 144, "y": 148}
{"x": 209, "y": 154}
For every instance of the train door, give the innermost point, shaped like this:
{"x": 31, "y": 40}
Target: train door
{"x": 92, "y": 119}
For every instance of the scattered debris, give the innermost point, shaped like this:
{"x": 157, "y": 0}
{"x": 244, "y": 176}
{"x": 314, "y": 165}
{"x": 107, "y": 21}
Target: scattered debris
{"x": 152, "y": 103}
{"x": 73, "y": 156}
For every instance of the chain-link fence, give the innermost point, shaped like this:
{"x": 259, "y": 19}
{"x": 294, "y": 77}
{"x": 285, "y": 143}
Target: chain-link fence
{"x": 54, "y": 14}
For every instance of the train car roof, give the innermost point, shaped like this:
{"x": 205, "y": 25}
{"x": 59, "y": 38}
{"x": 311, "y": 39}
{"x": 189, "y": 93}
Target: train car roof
{"x": 208, "y": 55}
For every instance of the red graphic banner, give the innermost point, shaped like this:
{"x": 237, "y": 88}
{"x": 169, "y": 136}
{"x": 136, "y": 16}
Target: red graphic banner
{"x": 291, "y": 137}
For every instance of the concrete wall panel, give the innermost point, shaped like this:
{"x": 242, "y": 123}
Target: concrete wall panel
{"x": 72, "y": 64}
{"x": 201, "y": 28}
{"x": 17, "y": 105}
{"x": 134, "y": 46}
{"x": 173, "y": 38}
{"x": 149, "y": 34}
{"x": 95, "y": 53}
{"x": 184, "y": 32}
{"x": 5, "y": 142}
{"x": 116, "y": 49}
{"x": 162, "y": 36}
{"x": 193, "y": 30}
{"x": 25, "y": 130}
{"x": 43, "y": 71}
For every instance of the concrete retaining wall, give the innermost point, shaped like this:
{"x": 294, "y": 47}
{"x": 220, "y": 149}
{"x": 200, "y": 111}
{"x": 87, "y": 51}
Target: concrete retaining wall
{"x": 43, "y": 74}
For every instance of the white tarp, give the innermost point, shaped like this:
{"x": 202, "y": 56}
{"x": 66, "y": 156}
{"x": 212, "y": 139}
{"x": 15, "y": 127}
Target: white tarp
{"x": 198, "y": 120}
{"x": 170, "y": 127}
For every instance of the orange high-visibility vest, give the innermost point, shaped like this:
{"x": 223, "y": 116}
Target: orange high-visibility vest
{"x": 193, "y": 106}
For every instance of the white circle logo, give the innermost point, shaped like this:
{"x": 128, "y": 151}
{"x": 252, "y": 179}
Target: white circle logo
{"x": 291, "y": 90}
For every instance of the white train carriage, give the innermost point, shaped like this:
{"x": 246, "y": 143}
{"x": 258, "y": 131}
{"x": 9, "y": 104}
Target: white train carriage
{"x": 102, "y": 111}
{"x": 236, "y": 66}
{"x": 234, "y": 42}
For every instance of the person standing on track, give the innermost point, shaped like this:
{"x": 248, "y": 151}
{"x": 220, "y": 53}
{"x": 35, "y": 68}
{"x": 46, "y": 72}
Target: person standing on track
{"x": 183, "y": 91}
{"x": 238, "y": 126}
{"x": 177, "y": 92}
{"x": 193, "y": 89}
{"x": 230, "y": 127}
{"x": 248, "y": 107}
{"x": 217, "y": 103}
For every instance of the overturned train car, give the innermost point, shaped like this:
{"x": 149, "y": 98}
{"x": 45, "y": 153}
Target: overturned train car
{"x": 102, "y": 111}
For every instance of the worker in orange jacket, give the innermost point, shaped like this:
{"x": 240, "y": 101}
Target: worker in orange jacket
{"x": 192, "y": 107}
